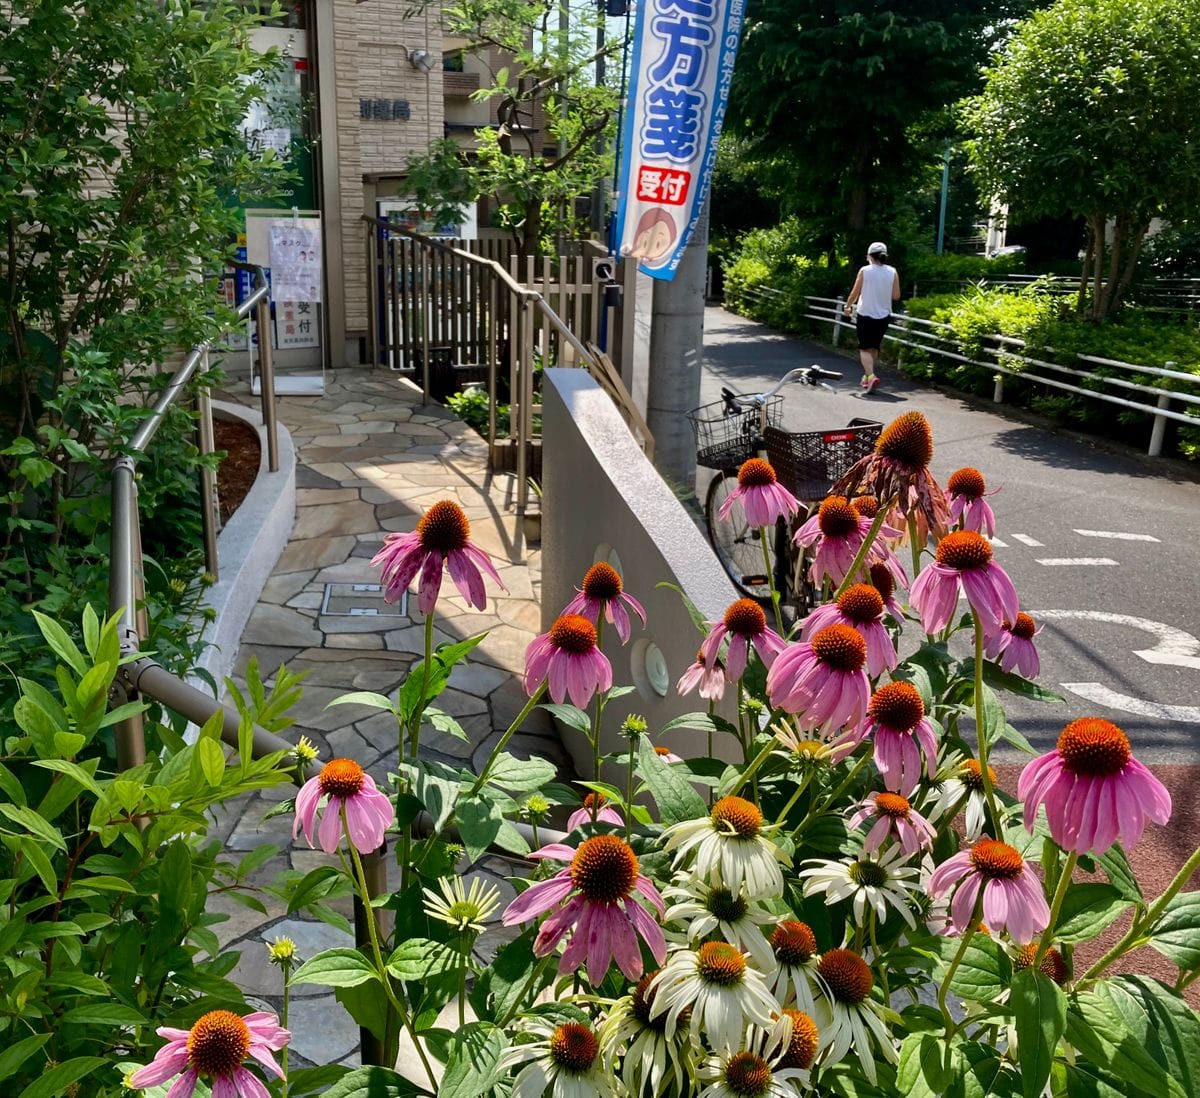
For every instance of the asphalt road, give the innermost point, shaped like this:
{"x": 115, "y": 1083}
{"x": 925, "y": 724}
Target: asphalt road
{"x": 1101, "y": 543}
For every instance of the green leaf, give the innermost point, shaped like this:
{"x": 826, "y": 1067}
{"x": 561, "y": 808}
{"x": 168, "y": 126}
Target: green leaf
{"x": 73, "y": 771}
{"x": 1041, "y": 1018}
{"x": 1015, "y": 684}
{"x": 341, "y": 967}
{"x": 676, "y": 799}
{"x": 479, "y": 823}
{"x": 504, "y": 981}
{"x": 922, "y": 1068}
{"x": 364, "y": 697}
{"x": 1172, "y": 1028}
{"x": 1087, "y": 909}
{"x": 212, "y": 761}
{"x": 1120, "y": 874}
{"x": 701, "y": 722}
{"x": 36, "y": 857}
{"x": 420, "y": 959}
{"x": 16, "y": 1054}
{"x": 521, "y": 775}
{"x": 34, "y": 824}
{"x": 473, "y": 1067}
{"x": 61, "y": 644}
{"x": 984, "y": 971}
{"x": 57, "y": 1079}
{"x": 570, "y": 715}
{"x": 1176, "y": 935}
{"x": 444, "y": 722}
{"x": 303, "y": 1082}
{"x": 373, "y": 1082}
{"x": 106, "y": 1014}
{"x": 982, "y": 1073}
{"x": 436, "y": 793}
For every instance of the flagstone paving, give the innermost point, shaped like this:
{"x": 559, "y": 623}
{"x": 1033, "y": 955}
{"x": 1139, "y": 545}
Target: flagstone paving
{"x": 371, "y": 458}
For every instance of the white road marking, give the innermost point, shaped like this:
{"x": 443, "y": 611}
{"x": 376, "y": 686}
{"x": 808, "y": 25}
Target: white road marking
{"x": 1053, "y": 561}
{"x": 1025, "y": 539}
{"x": 1175, "y": 647}
{"x": 996, "y": 543}
{"x": 1111, "y": 699}
{"x": 1116, "y": 535}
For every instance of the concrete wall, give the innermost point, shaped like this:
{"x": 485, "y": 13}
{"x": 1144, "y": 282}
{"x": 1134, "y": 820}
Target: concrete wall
{"x": 601, "y": 496}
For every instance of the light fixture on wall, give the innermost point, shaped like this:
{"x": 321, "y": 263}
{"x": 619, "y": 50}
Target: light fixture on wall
{"x": 421, "y": 60}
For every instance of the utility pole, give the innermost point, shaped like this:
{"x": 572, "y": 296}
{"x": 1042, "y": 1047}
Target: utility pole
{"x": 941, "y": 239}
{"x": 598, "y": 193}
{"x": 676, "y": 360}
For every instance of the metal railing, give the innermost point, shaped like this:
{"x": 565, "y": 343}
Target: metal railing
{"x": 426, "y": 296}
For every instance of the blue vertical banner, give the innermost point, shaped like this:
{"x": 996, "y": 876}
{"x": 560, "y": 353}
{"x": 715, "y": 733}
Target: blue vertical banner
{"x": 683, "y": 56}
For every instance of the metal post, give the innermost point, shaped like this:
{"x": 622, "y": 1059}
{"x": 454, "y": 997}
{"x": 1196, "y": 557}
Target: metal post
{"x": 426, "y": 271}
{"x": 372, "y": 293}
{"x": 523, "y": 412}
{"x": 998, "y": 389}
{"x": 210, "y": 518}
{"x": 492, "y": 350}
{"x": 373, "y": 1050}
{"x": 1160, "y": 425}
{"x": 266, "y": 372}
{"x": 122, "y": 597}
{"x": 941, "y": 237}
{"x": 837, "y": 321}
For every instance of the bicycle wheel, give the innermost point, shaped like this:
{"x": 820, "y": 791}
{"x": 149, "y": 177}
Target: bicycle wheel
{"x": 800, "y": 596}
{"x": 736, "y": 544}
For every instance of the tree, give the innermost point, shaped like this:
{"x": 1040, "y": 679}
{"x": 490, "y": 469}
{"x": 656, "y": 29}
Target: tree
{"x": 546, "y": 97}
{"x": 1093, "y": 110}
{"x": 842, "y": 101}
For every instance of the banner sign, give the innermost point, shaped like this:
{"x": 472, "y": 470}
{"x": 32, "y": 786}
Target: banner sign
{"x": 683, "y": 57}
{"x": 295, "y": 252}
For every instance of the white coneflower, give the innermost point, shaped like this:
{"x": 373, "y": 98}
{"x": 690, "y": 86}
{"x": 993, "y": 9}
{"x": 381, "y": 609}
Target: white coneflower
{"x": 796, "y": 979}
{"x": 731, "y": 849}
{"x": 462, "y": 908}
{"x": 772, "y": 1063}
{"x": 848, "y": 1017}
{"x": 562, "y": 1061}
{"x": 881, "y": 882}
{"x": 650, "y": 1059}
{"x": 720, "y": 990}
{"x": 706, "y": 909}
{"x": 960, "y": 784}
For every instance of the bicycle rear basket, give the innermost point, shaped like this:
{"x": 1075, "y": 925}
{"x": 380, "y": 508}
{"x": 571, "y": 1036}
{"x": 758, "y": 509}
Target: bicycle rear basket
{"x": 723, "y": 439}
{"x": 809, "y": 463}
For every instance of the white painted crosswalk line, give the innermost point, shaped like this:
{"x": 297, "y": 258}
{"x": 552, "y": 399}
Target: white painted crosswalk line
{"x": 1116, "y": 535}
{"x": 996, "y": 543}
{"x": 1076, "y": 560}
{"x": 1025, "y": 539}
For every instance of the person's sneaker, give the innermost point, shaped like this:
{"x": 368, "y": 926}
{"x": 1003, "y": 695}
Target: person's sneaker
{"x": 872, "y": 384}
{"x": 863, "y": 382}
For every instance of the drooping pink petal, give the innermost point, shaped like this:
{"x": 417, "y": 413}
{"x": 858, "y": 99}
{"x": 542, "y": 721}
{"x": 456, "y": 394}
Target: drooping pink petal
{"x": 430, "y": 584}
{"x": 652, "y": 934}
{"x": 646, "y": 887}
{"x": 962, "y": 906}
{"x": 306, "y": 807}
{"x": 246, "y": 1085}
{"x": 184, "y": 1086}
{"x": 168, "y": 1063}
{"x": 538, "y": 898}
{"x": 735, "y": 660}
{"x": 466, "y": 578}
{"x": 622, "y": 942}
{"x": 330, "y": 832}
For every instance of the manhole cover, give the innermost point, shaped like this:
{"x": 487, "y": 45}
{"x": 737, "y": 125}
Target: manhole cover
{"x": 361, "y": 600}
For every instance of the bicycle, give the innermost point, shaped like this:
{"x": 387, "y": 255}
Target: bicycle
{"x": 740, "y": 426}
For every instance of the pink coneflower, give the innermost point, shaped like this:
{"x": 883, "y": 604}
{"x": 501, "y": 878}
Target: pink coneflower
{"x": 215, "y": 1049}
{"x": 860, "y": 607}
{"x": 351, "y": 789}
{"x": 745, "y": 624}
{"x": 967, "y": 505}
{"x": 667, "y": 755}
{"x": 603, "y": 917}
{"x": 442, "y": 537}
{"x": 1013, "y": 899}
{"x": 822, "y": 680}
{"x": 710, "y": 680}
{"x": 1013, "y": 645}
{"x": 902, "y": 734}
{"x": 893, "y": 816}
{"x": 964, "y": 557}
{"x": 567, "y": 656}
{"x": 1094, "y": 790}
{"x": 899, "y": 469}
{"x": 762, "y": 497}
{"x": 602, "y": 592}
{"x": 884, "y": 580}
{"x": 604, "y": 812}
{"x": 838, "y": 531}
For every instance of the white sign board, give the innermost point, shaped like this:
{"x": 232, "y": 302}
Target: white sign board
{"x": 295, "y": 262}
{"x": 296, "y": 324}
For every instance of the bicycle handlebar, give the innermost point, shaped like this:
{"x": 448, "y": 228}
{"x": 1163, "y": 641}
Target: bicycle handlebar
{"x": 802, "y": 375}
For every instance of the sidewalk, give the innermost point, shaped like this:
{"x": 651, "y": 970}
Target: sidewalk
{"x": 370, "y": 460}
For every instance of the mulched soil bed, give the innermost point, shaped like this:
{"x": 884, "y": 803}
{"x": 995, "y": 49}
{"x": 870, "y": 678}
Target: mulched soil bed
{"x": 239, "y": 467}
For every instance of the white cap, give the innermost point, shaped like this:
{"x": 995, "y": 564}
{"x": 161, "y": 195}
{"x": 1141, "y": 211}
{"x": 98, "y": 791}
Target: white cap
{"x": 878, "y": 248}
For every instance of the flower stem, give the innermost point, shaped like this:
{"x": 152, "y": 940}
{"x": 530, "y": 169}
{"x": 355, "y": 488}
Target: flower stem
{"x": 801, "y": 786}
{"x": 816, "y": 813}
{"x": 944, "y": 990}
{"x": 597, "y": 715}
{"x": 989, "y": 791}
{"x": 752, "y": 769}
{"x": 883, "y": 980}
{"x": 633, "y": 739}
{"x": 912, "y": 541}
{"x": 508, "y": 735}
{"x": 1060, "y": 894}
{"x": 766, "y": 552}
{"x": 415, "y": 728}
{"x": 865, "y": 548}
{"x": 286, "y": 968}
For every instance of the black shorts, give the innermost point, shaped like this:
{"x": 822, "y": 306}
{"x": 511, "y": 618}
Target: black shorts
{"x": 871, "y": 330}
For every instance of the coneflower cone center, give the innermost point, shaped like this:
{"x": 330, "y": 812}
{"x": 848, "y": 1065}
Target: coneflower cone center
{"x": 602, "y": 581}
{"x": 973, "y": 775}
{"x": 604, "y": 869}
{"x": 793, "y": 942}
{"x": 837, "y": 518}
{"x": 573, "y": 1047}
{"x": 719, "y": 963}
{"x": 861, "y": 603}
{"x": 802, "y": 1048}
{"x": 573, "y": 633}
{"x": 747, "y": 1075}
{"x": 660, "y": 750}
{"x": 897, "y": 705}
{"x": 866, "y": 506}
{"x": 745, "y": 618}
{"x": 737, "y": 815}
{"x": 908, "y": 440}
{"x": 840, "y": 647}
{"x": 967, "y": 482}
{"x": 867, "y": 873}
{"x": 594, "y": 800}
{"x": 1024, "y": 627}
{"x": 756, "y": 473}
{"x": 725, "y": 905}
{"x": 997, "y": 861}
{"x": 444, "y": 527}
{"x": 1093, "y": 747}
{"x": 964, "y": 550}
{"x": 341, "y": 778}
{"x": 217, "y": 1044}
{"x": 892, "y": 805}
{"x": 1053, "y": 966}
{"x": 847, "y": 975}
{"x": 883, "y": 581}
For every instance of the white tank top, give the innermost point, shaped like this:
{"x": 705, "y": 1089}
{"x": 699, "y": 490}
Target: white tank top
{"x": 875, "y": 300}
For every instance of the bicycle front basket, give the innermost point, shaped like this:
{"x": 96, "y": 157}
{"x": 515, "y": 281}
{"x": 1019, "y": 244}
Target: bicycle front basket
{"x": 724, "y": 439}
{"x": 809, "y": 463}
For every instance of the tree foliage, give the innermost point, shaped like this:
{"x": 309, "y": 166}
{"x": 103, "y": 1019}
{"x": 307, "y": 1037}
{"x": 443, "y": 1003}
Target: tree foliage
{"x": 843, "y": 100}
{"x": 1093, "y": 110}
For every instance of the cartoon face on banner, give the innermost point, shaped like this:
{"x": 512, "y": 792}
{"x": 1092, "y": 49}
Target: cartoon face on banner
{"x": 684, "y": 52}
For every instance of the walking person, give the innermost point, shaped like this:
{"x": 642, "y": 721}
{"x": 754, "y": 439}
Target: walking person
{"x": 875, "y": 288}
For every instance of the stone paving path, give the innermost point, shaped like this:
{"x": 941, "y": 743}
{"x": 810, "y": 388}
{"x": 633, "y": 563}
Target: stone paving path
{"x": 371, "y": 459}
